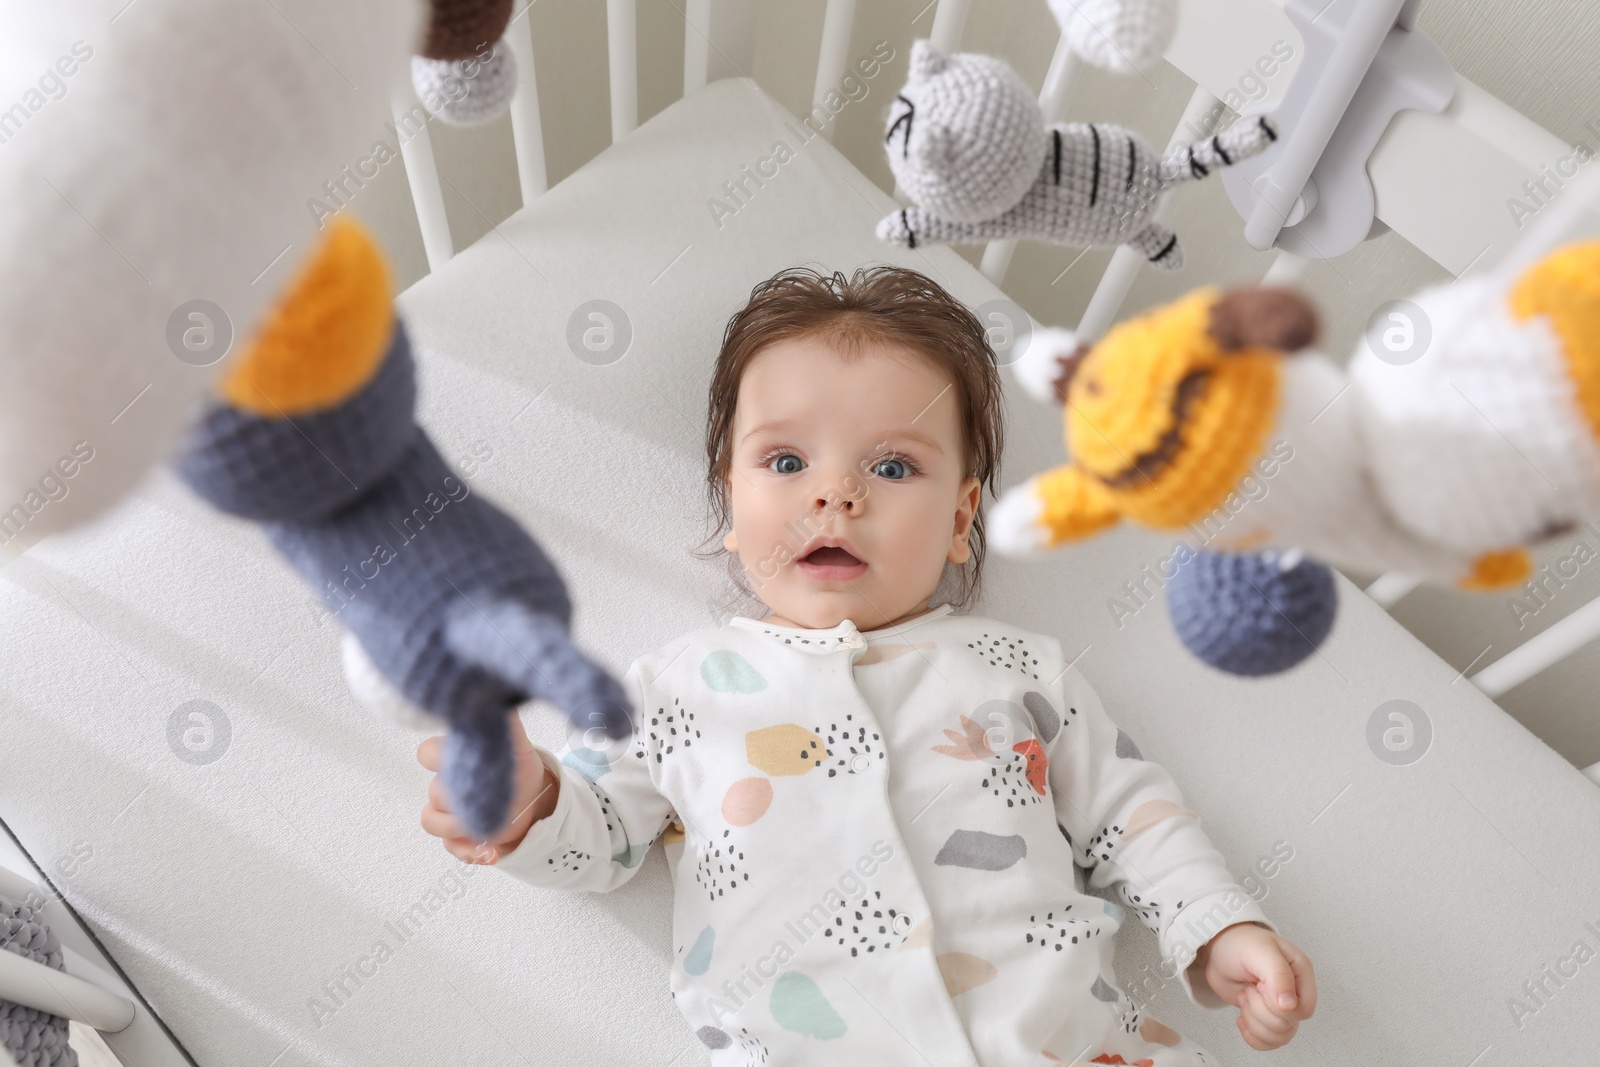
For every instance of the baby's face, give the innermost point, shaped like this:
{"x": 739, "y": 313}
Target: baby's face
{"x": 863, "y": 454}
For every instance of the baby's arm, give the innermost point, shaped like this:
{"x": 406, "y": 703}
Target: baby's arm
{"x": 1129, "y": 829}
{"x": 596, "y": 835}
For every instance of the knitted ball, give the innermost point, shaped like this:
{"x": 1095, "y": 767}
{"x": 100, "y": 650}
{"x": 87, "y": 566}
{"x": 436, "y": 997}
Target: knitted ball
{"x": 1252, "y": 614}
{"x": 1119, "y": 35}
{"x": 966, "y": 138}
{"x": 458, "y": 28}
{"x": 468, "y": 92}
{"x": 34, "y": 1038}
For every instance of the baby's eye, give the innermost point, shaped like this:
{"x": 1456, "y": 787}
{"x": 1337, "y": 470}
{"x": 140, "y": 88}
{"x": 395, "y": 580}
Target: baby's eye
{"x": 893, "y": 468}
{"x": 786, "y": 463}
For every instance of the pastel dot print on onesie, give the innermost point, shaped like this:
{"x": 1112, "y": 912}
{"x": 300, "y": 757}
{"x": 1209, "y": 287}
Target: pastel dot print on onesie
{"x": 1055, "y": 930}
{"x": 1010, "y": 652}
{"x": 853, "y": 746}
{"x": 670, "y": 729}
{"x": 868, "y": 925}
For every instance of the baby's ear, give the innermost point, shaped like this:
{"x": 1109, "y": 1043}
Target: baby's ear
{"x": 1048, "y": 363}
{"x": 1263, "y": 318}
{"x": 926, "y": 61}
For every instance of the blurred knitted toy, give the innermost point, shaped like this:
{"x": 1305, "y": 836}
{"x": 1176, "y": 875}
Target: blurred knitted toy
{"x": 175, "y": 205}
{"x": 34, "y": 1038}
{"x": 1491, "y": 435}
{"x": 451, "y": 601}
{"x": 1196, "y": 415}
{"x": 967, "y": 142}
{"x": 1252, "y": 613}
{"x": 1119, "y": 35}
{"x": 472, "y": 87}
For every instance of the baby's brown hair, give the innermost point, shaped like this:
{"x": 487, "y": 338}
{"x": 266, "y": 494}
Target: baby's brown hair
{"x": 884, "y": 305}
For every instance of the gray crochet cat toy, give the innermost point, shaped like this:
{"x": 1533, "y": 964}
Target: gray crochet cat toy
{"x": 968, "y": 143}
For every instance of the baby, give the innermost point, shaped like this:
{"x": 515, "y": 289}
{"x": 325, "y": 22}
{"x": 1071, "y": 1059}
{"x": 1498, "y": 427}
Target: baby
{"x": 880, "y": 814}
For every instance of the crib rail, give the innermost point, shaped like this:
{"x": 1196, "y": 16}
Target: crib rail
{"x": 34, "y": 985}
{"x": 1488, "y": 146}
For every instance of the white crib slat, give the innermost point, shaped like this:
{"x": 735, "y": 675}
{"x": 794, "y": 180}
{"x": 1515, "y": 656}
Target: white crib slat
{"x": 416, "y": 149}
{"x": 1125, "y": 262}
{"x": 949, "y": 23}
{"x": 696, "y": 44}
{"x": 622, "y": 40}
{"x": 33, "y": 985}
{"x": 837, "y": 22}
{"x": 1541, "y": 651}
{"x": 1389, "y": 589}
{"x": 527, "y": 129}
{"x": 1053, "y": 97}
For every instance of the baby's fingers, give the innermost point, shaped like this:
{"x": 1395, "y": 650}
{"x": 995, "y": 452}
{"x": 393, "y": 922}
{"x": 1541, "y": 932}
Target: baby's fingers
{"x": 441, "y": 823}
{"x": 428, "y": 753}
{"x": 1263, "y": 1022}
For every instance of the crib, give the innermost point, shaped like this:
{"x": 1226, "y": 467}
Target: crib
{"x": 1436, "y": 887}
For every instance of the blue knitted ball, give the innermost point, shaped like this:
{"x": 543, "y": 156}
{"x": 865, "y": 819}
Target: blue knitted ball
{"x": 1252, "y": 614}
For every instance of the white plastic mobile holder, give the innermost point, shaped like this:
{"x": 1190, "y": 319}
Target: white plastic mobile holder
{"x": 1309, "y": 193}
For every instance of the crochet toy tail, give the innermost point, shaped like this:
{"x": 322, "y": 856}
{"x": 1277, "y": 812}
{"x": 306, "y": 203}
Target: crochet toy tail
{"x": 532, "y": 651}
{"x": 1245, "y": 138}
{"x": 478, "y": 768}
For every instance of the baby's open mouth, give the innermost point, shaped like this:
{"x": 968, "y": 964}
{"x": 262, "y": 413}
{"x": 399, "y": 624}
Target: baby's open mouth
{"x": 831, "y": 563}
{"x": 829, "y": 556}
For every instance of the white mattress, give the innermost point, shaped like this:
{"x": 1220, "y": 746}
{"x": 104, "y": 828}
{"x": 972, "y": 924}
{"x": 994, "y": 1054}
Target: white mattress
{"x": 231, "y": 891}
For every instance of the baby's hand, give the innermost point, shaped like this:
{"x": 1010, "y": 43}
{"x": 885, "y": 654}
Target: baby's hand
{"x": 1252, "y": 967}
{"x": 533, "y": 796}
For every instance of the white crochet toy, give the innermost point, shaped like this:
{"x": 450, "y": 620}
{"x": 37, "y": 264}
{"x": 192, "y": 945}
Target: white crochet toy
{"x": 136, "y": 197}
{"x": 1203, "y": 417}
{"x": 1119, "y": 35}
{"x": 968, "y": 143}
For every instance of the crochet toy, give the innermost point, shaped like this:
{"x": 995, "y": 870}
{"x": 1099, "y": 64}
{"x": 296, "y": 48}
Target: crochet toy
{"x": 1252, "y": 613}
{"x": 149, "y": 219}
{"x": 450, "y": 600}
{"x": 1199, "y": 417}
{"x": 968, "y": 143}
{"x": 33, "y": 1038}
{"x": 473, "y": 87}
{"x": 1119, "y": 35}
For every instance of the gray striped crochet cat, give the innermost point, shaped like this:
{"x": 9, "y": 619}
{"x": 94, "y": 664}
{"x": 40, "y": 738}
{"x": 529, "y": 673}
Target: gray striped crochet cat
{"x": 968, "y": 143}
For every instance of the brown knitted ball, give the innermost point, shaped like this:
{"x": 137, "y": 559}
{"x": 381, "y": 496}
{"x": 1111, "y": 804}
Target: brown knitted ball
{"x": 458, "y": 28}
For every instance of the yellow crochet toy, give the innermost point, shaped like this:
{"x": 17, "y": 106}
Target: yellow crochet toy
{"x": 1205, "y": 417}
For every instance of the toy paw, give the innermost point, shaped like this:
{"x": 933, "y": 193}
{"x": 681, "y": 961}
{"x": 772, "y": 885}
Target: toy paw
{"x": 1497, "y": 570}
{"x": 1015, "y": 523}
{"x": 1048, "y": 363}
{"x": 1119, "y": 35}
{"x": 469, "y": 92}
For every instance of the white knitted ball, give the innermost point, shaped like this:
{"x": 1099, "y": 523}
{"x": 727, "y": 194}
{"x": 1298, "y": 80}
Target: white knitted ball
{"x": 472, "y": 91}
{"x": 372, "y": 690}
{"x": 1119, "y": 35}
{"x": 966, "y": 138}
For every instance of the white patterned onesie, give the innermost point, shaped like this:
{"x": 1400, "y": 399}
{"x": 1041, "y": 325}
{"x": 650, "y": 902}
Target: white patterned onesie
{"x": 879, "y": 841}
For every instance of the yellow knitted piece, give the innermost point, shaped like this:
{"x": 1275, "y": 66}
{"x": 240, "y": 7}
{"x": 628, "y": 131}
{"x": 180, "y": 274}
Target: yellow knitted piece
{"x": 1565, "y": 287}
{"x": 1121, "y": 406}
{"x": 1498, "y": 570}
{"x": 326, "y": 337}
{"x": 1073, "y": 505}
